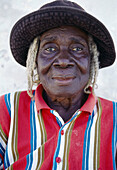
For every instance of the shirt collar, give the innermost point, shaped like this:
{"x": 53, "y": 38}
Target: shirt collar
{"x": 90, "y": 103}
{"x": 39, "y": 101}
{"x": 41, "y": 104}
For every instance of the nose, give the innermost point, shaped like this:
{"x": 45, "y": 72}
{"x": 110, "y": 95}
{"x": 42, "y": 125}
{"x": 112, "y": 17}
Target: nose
{"x": 63, "y": 63}
{"x": 63, "y": 60}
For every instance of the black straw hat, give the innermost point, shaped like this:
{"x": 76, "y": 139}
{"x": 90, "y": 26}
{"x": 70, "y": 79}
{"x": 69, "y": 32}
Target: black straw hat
{"x": 56, "y": 14}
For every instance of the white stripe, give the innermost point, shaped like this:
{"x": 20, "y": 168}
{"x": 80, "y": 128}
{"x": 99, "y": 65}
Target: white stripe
{"x": 10, "y": 155}
{"x": 2, "y": 142}
{"x": 87, "y": 142}
{"x": 2, "y": 150}
{"x": 38, "y": 131}
{"x": 97, "y": 132}
{"x": 92, "y": 139}
{"x": 35, "y": 159}
{"x": 8, "y": 102}
{"x": 59, "y": 117}
{"x": 62, "y": 147}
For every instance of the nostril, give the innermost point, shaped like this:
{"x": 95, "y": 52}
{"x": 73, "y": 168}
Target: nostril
{"x": 63, "y": 64}
{"x": 56, "y": 65}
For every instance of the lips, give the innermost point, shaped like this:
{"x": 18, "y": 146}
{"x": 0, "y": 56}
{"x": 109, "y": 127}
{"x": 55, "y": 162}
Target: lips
{"x": 63, "y": 79}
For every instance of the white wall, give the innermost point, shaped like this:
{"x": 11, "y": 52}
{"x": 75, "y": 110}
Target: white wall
{"x": 13, "y": 76}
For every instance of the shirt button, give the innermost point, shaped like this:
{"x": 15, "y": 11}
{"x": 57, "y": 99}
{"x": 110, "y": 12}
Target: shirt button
{"x": 58, "y": 159}
{"x": 62, "y": 132}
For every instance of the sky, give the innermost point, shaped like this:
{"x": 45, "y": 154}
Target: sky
{"x": 13, "y": 76}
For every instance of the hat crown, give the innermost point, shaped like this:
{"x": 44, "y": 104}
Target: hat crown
{"x": 56, "y": 14}
{"x": 62, "y": 3}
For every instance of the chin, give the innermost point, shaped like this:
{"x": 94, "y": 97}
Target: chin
{"x": 65, "y": 92}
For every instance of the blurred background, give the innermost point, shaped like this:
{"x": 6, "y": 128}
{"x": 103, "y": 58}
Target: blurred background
{"x": 13, "y": 76}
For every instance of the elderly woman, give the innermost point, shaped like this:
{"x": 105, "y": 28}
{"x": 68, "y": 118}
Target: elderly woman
{"x": 61, "y": 124}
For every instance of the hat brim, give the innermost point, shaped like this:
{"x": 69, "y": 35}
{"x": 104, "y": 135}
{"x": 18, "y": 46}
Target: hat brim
{"x": 38, "y": 22}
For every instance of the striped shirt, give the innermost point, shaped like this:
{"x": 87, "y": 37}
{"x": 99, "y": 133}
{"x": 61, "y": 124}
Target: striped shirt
{"x": 33, "y": 136}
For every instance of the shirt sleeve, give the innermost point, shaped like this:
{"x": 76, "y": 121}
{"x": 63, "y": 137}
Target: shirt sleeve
{"x": 5, "y": 116}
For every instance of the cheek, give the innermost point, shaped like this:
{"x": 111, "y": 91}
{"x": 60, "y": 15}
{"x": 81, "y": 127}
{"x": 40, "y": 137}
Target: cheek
{"x": 43, "y": 64}
{"x": 84, "y": 65}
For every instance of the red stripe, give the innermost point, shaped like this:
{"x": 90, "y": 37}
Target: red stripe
{"x": 77, "y": 141}
{"x": 4, "y": 116}
{"x": 20, "y": 164}
{"x": 106, "y": 161}
{"x": 24, "y": 134}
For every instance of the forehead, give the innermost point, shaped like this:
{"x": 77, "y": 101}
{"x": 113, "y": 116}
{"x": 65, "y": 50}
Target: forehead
{"x": 66, "y": 31}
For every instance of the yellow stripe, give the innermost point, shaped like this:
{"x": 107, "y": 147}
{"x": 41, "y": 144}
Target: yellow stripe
{"x": 39, "y": 163}
{"x": 3, "y": 135}
{"x": 97, "y": 137}
{"x": 10, "y": 167}
{"x": 15, "y": 127}
{"x": 43, "y": 140}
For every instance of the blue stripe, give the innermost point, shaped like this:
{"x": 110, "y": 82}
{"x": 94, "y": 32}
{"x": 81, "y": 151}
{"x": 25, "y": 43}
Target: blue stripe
{"x": 116, "y": 123}
{"x": 114, "y": 135}
{"x": 29, "y": 159}
{"x": 2, "y": 150}
{"x": 31, "y": 125}
{"x": 57, "y": 119}
{"x": 84, "y": 146}
{"x": 87, "y": 143}
{"x": 57, "y": 150}
{"x": 6, "y": 159}
{"x": 58, "y": 143}
{"x": 59, "y": 122}
{"x": 8, "y": 104}
{"x": 27, "y": 165}
{"x": 33, "y": 140}
{"x": 1, "y": 162}
{"x": 34, "y": 127}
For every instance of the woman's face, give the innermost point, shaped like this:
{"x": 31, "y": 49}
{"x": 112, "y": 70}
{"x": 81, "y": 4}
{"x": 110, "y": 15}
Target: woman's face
{"x": 63, "y": 61}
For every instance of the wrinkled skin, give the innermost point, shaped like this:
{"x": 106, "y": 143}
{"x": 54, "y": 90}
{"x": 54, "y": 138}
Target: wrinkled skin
{"x": 63, "y": 64}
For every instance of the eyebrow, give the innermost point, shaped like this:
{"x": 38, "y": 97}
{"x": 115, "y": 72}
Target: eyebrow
{"x": 49, "y": 39}
{"x": 78, "y": 40}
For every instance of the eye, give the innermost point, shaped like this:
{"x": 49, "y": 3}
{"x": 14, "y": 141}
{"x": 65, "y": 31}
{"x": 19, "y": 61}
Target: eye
{"x": 50, "y": 49}
{"x": 76, "y": 49}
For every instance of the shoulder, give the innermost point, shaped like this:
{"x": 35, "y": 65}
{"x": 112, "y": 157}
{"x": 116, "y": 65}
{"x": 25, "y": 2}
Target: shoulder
{"x": 8, "y": 104}
{"x": 106, "y": 103}
{"x": 108, "y": 109}
{"x": 7, "y": 99}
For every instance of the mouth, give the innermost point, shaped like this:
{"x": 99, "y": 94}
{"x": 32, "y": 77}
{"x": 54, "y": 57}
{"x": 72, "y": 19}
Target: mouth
{"x": 63, "y": 79}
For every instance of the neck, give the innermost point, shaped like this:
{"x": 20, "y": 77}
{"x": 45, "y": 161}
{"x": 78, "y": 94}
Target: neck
{"x": 66, "y": 107}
